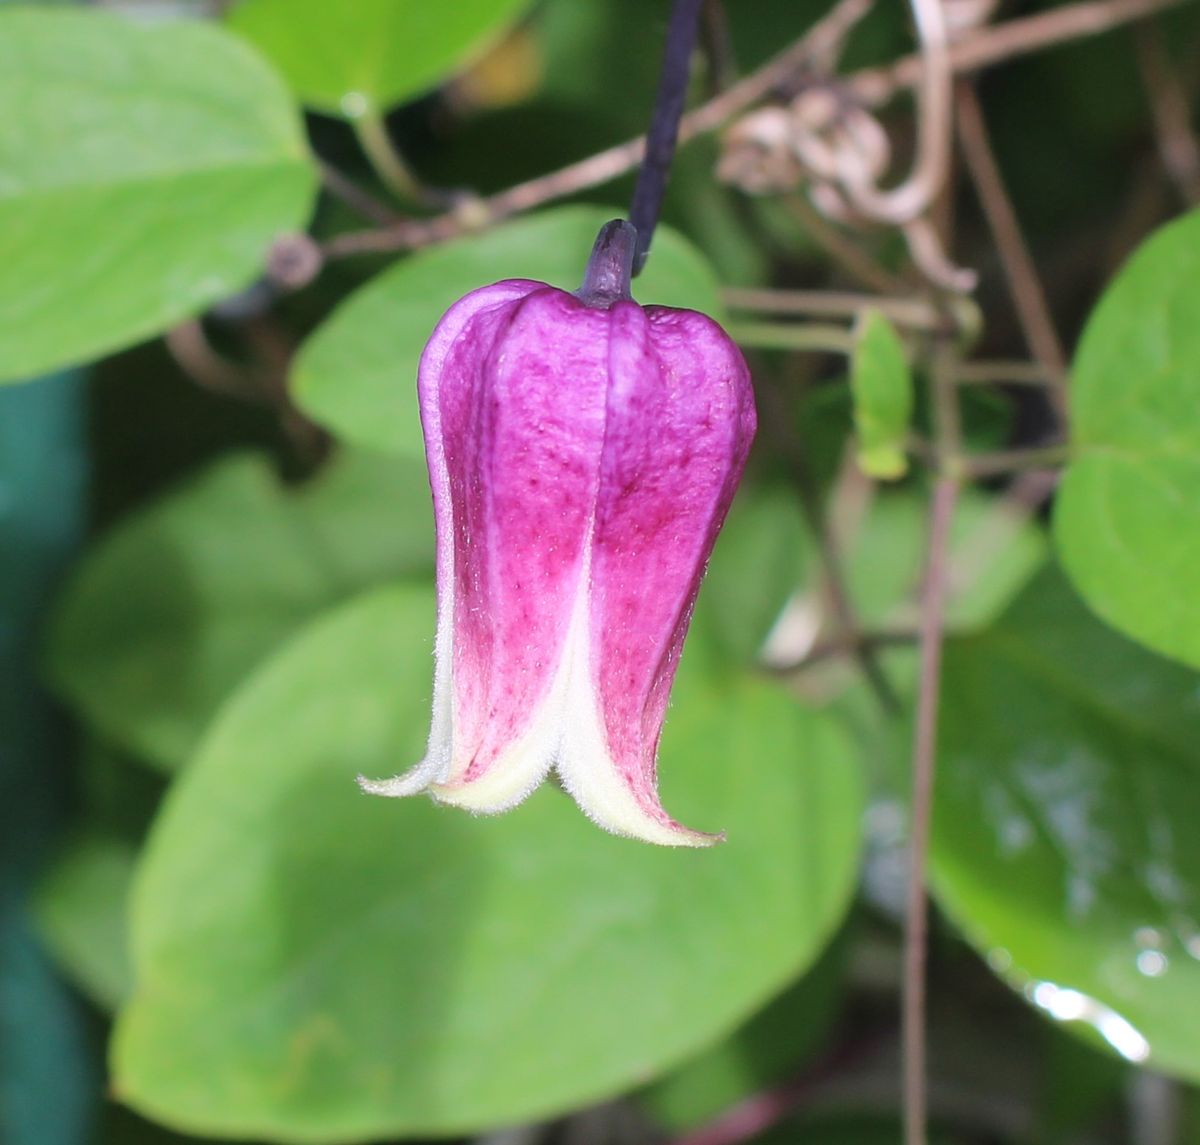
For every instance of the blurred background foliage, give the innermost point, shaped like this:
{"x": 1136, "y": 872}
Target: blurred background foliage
{"x": 207, "y": 933}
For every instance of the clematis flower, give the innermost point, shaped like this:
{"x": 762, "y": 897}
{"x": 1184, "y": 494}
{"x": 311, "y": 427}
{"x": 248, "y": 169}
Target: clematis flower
{"x": 583, "y": 451}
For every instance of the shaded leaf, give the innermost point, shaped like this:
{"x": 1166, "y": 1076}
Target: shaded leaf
{"x": 760, "y": 559}
{"x": 1064, "y": 834}
{"x": 317, "y": 965}
{"x": 81, "y": 915}
{"x": 765, "y": 1051}
{"x": 357, "y": 374}
{"x": 144, "y": 172}
{"x": 171, "y": 610}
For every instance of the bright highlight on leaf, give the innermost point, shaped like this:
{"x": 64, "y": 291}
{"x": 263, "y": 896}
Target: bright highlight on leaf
{"x": 144, "y": 172}
{"x": 882, "y": 387}
{"x": 1064, "y": 832}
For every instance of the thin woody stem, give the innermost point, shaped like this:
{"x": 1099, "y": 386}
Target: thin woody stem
{"x": 902, "y": 204}
{"x": 607, "y": 165}
{"x": 1007, "y": 461}
{"x": 718, "y": 48}
{"x": 651, "y": 185}
{"x": 988, "y": 46}
{"x": 948, "y": 449}
{"x": 847, "y": 643}
{"x": 1170, "y": 105}
{"x": 1007, "y": 41}
{"x": 988, "y": 372}
{"x": 358, "y": 200}
{"x": 386, "y": 161}
{"x": 814, "y": 336}
{"x": 916, "y": 931}
{"x": 1025, "y": 287}
{"x": 904, "y": 311}
{"x": 773, "y": 420}
{"x": 841, "y": 249}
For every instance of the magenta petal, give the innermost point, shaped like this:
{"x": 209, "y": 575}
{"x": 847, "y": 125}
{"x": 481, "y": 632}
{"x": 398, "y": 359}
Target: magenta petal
{"x": 582, "y": 457}
{"x": 679, "y": 423}
{"x": 521, "y": 452}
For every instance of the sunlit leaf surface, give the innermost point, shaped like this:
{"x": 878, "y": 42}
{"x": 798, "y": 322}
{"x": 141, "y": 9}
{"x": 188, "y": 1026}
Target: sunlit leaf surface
{"x": 144, "y": 172}
{"x": 445, "y": 973}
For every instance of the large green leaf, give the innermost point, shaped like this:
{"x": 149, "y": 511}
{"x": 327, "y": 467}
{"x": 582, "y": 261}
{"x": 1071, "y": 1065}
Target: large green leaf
{"x": 167, "y": 614}
{"x": 315, "y": 965}
{"x": 764, "y": 1052}
{"x": 144, "y": 171}
{"x": 361, "y": 57}
{"x": 357, "y": 373}
{"x": 1065, "y": 840}
{"x": 1127, "y": 520}
{"x": 760, "y": 559}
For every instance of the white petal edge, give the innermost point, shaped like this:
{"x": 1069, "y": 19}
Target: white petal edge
{"x": 583, "y": 760}
{"x": 592, "y": 778}
{"x": 566, "y": 735}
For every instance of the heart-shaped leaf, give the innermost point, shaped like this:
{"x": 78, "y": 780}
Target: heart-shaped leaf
{"x": 316, "y": 965}
{"x": 1127, "y": 517}
{"x": 144, "y": 172}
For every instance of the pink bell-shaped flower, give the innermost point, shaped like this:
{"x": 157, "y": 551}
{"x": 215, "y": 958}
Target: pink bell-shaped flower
{"x": 583, "y": 451}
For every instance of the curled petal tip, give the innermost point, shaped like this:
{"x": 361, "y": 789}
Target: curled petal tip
{"x": 411, "y": 782}
{"x": 394, "y": 786}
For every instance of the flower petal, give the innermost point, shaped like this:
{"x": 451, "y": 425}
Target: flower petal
{"x": 452, "y": 361}
{"x": 679, "y": 423}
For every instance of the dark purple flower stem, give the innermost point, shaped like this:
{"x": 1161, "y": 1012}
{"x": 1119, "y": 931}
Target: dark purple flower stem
{"x": 664, "y": 125}
{"x": 610, "y": 266}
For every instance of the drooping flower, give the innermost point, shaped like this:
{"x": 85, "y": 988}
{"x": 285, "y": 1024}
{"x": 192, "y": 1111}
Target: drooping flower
{"x": 583, "y": 451}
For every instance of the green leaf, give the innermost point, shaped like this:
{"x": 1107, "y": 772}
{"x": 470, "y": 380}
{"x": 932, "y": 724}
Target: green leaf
{"x": 882, "y": 388}
{"x": 762, "y": 1053}
{"x": 760, "y": 559}
{"x": 1065, "y": 841}
{"x": 357, "y": 374}
{"x": 315, "y": 965}
{"x": 1127, "y": 519}
{"x": 169, "y": 612}
{"x": 81, "y": 915}
{"x": 993, "y": 553}
{"x": 145, "y": 171}
{"x": 360, "y": 58}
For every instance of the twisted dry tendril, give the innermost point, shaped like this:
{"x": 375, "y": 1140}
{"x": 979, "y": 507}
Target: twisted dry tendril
{"x": 825, "y": 139}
